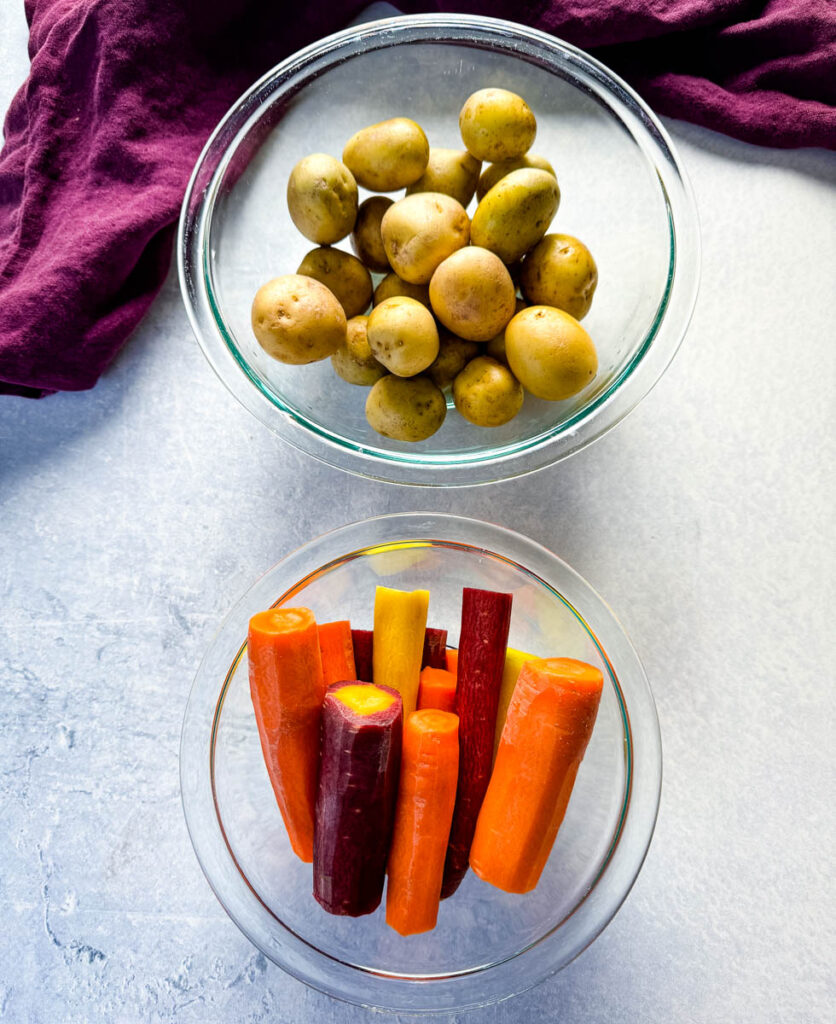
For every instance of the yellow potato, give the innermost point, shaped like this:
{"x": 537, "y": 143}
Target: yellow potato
{"x": 549, "y": 352}
{"x": 472, "y": 294}
{"x": 366, "y": 239}
{"x": 454, "y": 172}
{"x": 495, "y": 348}
{"x": 486, "y": 393}
{"x": 420, "y": 231}
{"x": 560, "y": 271}
{"x": 392, "y": 285}
{"x": 387, "y": 156}
{"x": 297, "y": 320}
{"x": 516, "y": 213}
{"x": 497, "y": 125}
{"x": 322, "y": 198}
{"x": 453, "y": 355}
{"x": 495, "y": 172}
{"x": 403, "y": 336}
{"x": 343, "y": 274}
{"x": 354, "y": 361}
{"x": 405, "y": 410}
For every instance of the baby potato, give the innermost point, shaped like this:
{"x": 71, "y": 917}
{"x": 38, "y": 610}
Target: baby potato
{"x": 420, "y": 231}
{"x": 354, "y": 361}
{"x": 392, "y": 285}
{"x": 454, "y": 172}
{"x": 453, "y": 355}
{"x": 549, "y": 352}
{"x": 472, "y": 294}
{"x": 405, "y": 410}
{"x": 497, "y": 125}
{"x": 516, "y": 213}
{"x": 366, "y": 239}
{"x": 343, "y": 274}
{"x": 495, "y": 172}
{"x": 560, "y": 271}
{"x": 297, "y": 319}
{"x": 388, "y": 155}
{"x": 495, "y": 348}
{"x": 403, "y": 336}
{"x": 486, "y": 393}
{"x": 322, "y": 198}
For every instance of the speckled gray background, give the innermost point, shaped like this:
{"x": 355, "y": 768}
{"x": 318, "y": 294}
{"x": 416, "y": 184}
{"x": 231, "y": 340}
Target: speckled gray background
{"x": 133, "y": 516}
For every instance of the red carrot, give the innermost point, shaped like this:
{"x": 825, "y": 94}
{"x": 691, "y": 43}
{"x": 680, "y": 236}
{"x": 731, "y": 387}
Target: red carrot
{"x": 483, "y": 638}
{"x": 435, "y": 646}
{"x": 337, "y": 650}
{"x": 437, "y": 689}
{"x": 363, "y": 642}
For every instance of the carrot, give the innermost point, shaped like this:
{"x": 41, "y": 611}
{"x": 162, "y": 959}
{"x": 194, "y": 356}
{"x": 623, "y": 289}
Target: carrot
{"x": 287, "y": 689}
{"x": 514, "y": 661}
{"x": 550, "y": 720}
{"x": 426, "y": 797}
{"x": 437, "y": 689}
{"x": 337, "y": 650}
{"x": 451, "y": 658}
{"x": 362, "y": 640}
{"x": 400, "y": 621}
{"x": 435, "y": 645}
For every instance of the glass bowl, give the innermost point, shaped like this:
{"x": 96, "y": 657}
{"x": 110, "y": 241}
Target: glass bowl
{"x": 623, "y": 192}
{"x": 488, "y": 944}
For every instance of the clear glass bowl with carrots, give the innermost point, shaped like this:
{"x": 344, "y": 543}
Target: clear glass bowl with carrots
{"x": 313, "y": 682}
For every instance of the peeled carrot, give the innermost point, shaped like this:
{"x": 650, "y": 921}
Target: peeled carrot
{"x": 514, "y": 661}
{"x": 287, "y": 689}
{"x": 337, "y": 650}
{"x": 451, "y": 658}
{"x": 435, "y": 646}
{"x": 437, "y": 689}
{"x": 362, "y": 640}
{"x": 400, "y": 621}
{"x": 426, "y": 797}
{"x": 550, "y": 720}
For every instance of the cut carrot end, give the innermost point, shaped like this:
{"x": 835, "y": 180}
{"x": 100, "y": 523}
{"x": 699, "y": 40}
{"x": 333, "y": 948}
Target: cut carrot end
{"x": 364, "y": 698}
{"x": 570, "y": 669}
{"x": 282, "y": 620}
{"x": 433, "y": 720}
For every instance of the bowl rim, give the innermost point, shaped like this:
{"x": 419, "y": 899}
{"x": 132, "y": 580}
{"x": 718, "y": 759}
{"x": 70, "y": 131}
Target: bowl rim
{"x": 481, "y": 984}
{"x": 586, "y": 424}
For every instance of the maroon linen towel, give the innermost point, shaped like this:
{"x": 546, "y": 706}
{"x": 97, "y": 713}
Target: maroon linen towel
{"x": 122, "y": 94}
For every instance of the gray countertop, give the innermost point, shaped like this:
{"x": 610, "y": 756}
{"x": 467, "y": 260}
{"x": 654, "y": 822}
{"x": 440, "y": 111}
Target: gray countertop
{"x": 133, "y": 515}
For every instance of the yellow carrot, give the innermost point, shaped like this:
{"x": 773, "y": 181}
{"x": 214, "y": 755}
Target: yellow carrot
{"x": 400, "y": 621}
{"x": 514, "y": 661}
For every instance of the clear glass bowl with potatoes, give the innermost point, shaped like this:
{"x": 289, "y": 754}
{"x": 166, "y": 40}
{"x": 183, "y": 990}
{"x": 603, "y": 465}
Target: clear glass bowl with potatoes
{"x": 441, "y": 250}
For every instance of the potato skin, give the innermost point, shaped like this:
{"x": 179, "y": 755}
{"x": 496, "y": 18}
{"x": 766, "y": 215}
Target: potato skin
{"x": 403, "y": 336}
{"x": 453, "y": 172}
{"x": 549, "y": 352}
{"x": 496, "y": 124}
{"x": 453, "y": 355}
{"x": 486, "y": 393}
{"x": 297, "y": 320}
{"x": 405, "y": 410}
{"x": 516, "y": 213}
{"x": 322, "y": 198}
{"x": 388, "y": 155}
{"x": 472, "y": 294}
{"x": 354, "y": 361}
{"x": 420, "y": 231}
{"x": 495, "y": 172}
{"x": 366, "y": 239}
{"x": 343, "y": 274}
{"x": 560, "y": 271}
{"x": 392, "y": 285}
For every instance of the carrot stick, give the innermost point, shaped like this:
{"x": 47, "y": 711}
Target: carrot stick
{"x": 437, "y": 689}
{"x": 435, "y": 645}
{"x": 426, "y": 797}
{"x": 514, "y": 661}
{"x": 550, "y": 720}
{"x": 286, "y": 687}
{"x": 337, "y": 652}
{"x": 400, "y": 620}
{"x": 363, "y": 640}
{"x": 483, "y": 638}
{"x": 451, "y": 659}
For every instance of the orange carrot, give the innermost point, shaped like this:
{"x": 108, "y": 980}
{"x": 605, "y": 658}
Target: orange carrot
{"x": 287, "y": 690}
{"x": 337, "y": 650}
{"x": 424, "y": 811}
{"x": 451, "y": 656}
{"x": 437, "y": 689}
{"x": 548, "y": 726}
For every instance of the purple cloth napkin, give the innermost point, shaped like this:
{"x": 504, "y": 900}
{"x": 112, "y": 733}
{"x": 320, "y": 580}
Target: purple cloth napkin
{"x": 122, "y": 94}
